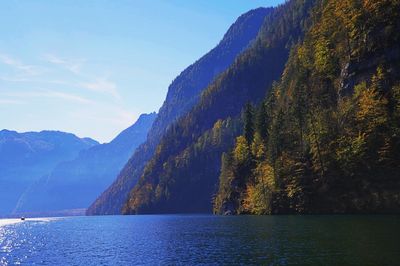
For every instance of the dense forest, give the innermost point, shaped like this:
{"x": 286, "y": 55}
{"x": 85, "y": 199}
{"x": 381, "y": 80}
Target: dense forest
{"x": 183, "y": 173}
{"x": 306, "y": 119}
{"x": 326, "y": 139}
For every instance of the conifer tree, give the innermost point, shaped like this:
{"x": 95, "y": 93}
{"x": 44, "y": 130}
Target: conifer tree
{"x": 248, "y": 129}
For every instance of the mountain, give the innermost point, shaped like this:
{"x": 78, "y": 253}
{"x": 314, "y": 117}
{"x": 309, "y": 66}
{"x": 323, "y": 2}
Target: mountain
{"x": 183, "y": 174}
{"x": 25, "y": 157}
{"x": 327, "y": 137}
{"x": 74, "y": 184}
{"x": 183, "y": 93}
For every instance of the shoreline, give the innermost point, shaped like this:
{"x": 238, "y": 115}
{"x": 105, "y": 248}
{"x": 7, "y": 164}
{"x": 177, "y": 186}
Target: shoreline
{"x": 10, "y": 221}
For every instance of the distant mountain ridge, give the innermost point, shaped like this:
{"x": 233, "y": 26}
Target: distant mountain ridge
{"x": 183, "y": 93}
{"x": 74, "y": 184}
{"x": 25, "y": 157}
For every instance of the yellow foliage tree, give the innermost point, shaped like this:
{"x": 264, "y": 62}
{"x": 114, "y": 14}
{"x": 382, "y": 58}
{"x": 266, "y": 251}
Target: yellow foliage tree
{"x": 372, "y": 108}
{"x": 258, "y": 148}
{"x": 241, "y": 153}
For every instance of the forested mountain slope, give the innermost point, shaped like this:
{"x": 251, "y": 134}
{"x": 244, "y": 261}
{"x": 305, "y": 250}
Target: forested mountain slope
{"x": 183, "y": 94}
{"x": 327, "y": 137}
{"x": 183, "y": 173}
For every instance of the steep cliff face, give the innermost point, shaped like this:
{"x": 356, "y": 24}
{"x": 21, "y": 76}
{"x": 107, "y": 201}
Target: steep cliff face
{"x": 74, "y": 184}
{"x": 362, "y": 69}
{"x": 182, "y": 175}
{"x": 183, "y": 94}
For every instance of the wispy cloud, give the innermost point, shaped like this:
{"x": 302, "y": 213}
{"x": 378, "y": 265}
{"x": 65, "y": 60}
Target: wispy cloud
{"x": 68, "y": 97}
{"x": 72, "y": 65}
{"x": 102, "y": 85}
{"x": 47, "y": 94}
{"x": 16, "y": 64}
{"x": 13, "y": 79}
{"x": 11, "y": 102}
{"x": 31, "y": 74}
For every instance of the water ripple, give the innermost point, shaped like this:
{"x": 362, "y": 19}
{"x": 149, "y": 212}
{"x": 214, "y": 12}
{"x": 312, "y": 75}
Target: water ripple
{"x": 202, "y": 240}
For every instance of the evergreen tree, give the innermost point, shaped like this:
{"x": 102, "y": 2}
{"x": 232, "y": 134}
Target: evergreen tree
{"x": 261, "y": 121}
{"x": 325, "y": 149}
{"x": 248, "y": 123}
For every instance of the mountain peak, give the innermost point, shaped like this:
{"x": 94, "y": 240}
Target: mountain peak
{"x": 183, "y": 93}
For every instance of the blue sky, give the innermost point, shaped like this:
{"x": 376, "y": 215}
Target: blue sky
{"x": 92, "y": 67}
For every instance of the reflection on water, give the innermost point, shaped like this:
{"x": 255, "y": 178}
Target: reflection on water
{"x": 19, "y": 237}
{"x": 203, "y": 239}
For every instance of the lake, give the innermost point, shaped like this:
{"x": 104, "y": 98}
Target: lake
{"x": 203, "y": 239}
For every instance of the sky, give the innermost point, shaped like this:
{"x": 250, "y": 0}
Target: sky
{"x": 92, "y": 67}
